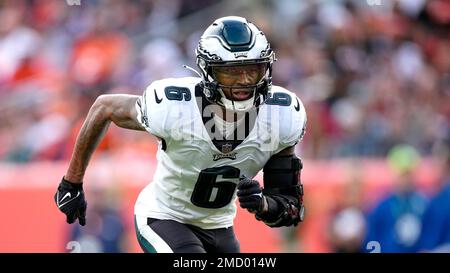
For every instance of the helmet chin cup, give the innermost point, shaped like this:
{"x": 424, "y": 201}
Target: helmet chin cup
{"x": 214, "y": 94}
{"x": 238, "y": 106}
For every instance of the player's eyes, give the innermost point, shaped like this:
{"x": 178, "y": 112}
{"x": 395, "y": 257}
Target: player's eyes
{"x": 252, "y": 70}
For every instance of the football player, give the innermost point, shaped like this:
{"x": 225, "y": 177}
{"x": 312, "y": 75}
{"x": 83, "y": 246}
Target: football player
{"x": 216, "y": 132}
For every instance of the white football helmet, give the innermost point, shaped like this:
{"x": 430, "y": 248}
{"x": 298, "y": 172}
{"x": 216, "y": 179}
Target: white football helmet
{"x": 234, "y": 41}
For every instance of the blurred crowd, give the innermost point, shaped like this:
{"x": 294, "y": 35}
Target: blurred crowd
{"x": 371, "y": 76}
{"x": 404, "y": 219}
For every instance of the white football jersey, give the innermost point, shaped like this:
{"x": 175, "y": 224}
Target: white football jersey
{"x": 195, "y": 179}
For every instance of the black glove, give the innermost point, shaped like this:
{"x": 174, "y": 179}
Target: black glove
{"x": 250, "y": 195}
{"x": 69, "y": 199}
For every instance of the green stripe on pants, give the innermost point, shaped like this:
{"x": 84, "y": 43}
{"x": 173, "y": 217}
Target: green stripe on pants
{"x": 145, "y": 245}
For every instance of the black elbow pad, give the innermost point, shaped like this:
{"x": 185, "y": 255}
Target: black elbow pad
{"x": 282, "y": 175}
{"x": 283, "y": 187}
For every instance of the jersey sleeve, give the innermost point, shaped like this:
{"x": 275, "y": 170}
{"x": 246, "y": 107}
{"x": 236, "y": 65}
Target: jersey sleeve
{"x": 293, "y": 128}
{"x": 165, "y": 109}
{"x": 152, "y": 110}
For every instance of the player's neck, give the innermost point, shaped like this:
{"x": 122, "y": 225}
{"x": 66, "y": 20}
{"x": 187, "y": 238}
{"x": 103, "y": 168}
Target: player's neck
{"x": 229, "y": 116}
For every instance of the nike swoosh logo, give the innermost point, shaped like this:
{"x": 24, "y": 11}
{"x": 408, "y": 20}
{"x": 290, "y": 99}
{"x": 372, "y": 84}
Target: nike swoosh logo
{"x": 60, "y": 205}
{"x": 158, "y": 100}
{"x": 297, "y": 107}
{"x": 66, "y": 195}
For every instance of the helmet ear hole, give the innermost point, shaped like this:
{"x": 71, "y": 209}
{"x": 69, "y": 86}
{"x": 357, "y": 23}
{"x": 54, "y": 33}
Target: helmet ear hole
{"x": 213, "y": 95}
{"x": 263, "y": 89}
{"x": 210, "y": 91}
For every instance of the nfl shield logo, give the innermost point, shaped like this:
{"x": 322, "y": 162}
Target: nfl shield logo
{"x": 226, "y": 148}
